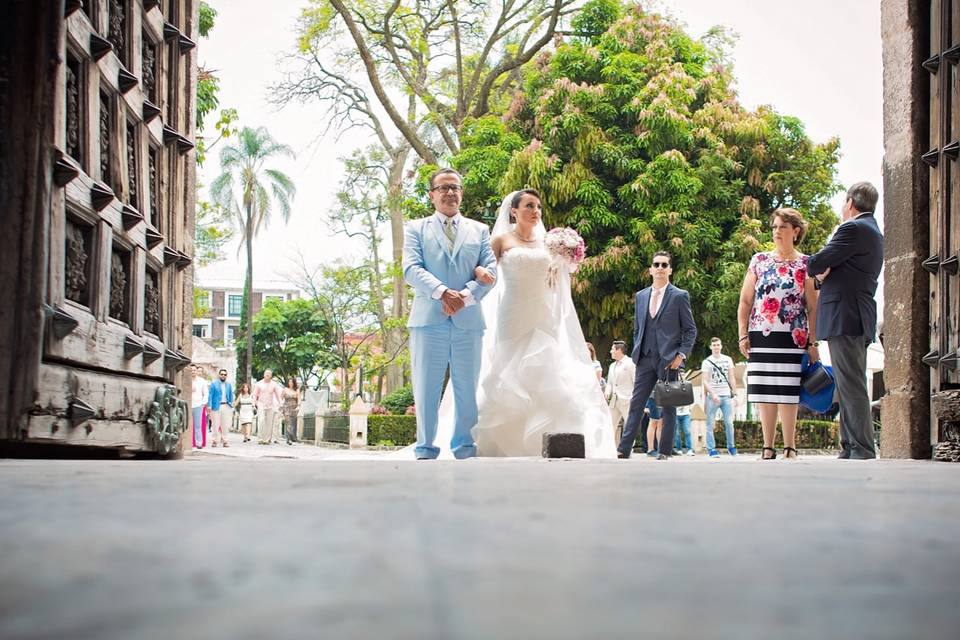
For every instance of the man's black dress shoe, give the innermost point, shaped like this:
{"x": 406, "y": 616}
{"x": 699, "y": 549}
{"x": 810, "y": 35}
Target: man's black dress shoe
{"x": 663, "y": 456}
{"x": 622, "y": 456}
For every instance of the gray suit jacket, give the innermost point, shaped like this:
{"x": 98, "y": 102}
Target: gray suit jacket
{"x": 677, "y": 330}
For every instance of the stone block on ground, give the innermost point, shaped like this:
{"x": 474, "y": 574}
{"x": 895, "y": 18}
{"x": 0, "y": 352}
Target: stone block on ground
{"x": 563, "y": 445}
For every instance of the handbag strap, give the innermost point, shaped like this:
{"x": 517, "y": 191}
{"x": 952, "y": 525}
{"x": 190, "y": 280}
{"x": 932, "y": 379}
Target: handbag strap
{"x": 722, "y": 373}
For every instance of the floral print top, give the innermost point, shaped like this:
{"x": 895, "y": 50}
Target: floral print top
{"x": 779, "y": 303}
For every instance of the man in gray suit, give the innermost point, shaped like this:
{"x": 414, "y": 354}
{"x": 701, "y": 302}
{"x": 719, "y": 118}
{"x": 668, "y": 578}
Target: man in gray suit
{"x": 846, "y": 271}
{"x": 663, "y": 337}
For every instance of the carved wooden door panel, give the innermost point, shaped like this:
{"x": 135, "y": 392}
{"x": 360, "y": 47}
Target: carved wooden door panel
{"x": 942, "y": 264}
{"x": 121, "y": 225}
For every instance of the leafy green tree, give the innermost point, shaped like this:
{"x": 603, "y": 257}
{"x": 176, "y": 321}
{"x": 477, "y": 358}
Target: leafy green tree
{"x": 344, "y": 297}
{"x": 636, "y": 139}
{"x": 362, "y": 208}
{"x": 293, "y": 339}
{"x": 251, "y": 190}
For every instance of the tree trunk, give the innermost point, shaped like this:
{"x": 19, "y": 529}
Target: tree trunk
{"x": 395, "y": 337}
{"x": 248, "y": 374}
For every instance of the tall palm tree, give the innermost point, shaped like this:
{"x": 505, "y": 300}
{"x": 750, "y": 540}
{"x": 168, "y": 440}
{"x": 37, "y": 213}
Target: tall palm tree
{"x": 248, "y": 189}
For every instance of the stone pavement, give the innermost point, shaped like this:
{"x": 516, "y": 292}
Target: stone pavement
{"x": 218, "y": 546}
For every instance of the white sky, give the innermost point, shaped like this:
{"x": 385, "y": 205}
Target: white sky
{"x": 819, "y": 60}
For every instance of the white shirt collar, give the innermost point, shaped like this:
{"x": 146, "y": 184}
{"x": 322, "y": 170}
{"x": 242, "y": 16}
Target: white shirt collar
{"x": 442, "y": 218}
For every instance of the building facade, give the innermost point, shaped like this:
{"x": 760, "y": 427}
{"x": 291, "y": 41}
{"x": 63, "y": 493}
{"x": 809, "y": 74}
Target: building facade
{"x": 223, "y": 301}
{"x": 97, "y": 181}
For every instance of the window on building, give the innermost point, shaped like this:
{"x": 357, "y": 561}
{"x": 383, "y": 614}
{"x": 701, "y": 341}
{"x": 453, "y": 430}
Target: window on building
{"x": 234, "y": 303}
{"x": 231, "y": 334}
{"x": 200, "y": 330}
{"x": 274, "y": 297}
{"x": 203, "y": 299}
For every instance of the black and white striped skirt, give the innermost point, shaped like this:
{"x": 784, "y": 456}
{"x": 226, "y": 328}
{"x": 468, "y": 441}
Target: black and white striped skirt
{"x": 773, "y": 369}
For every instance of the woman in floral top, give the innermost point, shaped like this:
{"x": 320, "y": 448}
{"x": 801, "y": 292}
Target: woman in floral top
{"x": 777, "y": 320}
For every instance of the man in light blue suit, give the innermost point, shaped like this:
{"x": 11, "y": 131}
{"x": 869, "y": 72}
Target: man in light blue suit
{"x": 441, "y": 254}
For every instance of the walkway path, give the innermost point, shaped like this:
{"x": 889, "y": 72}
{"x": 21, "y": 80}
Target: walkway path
{"x": 221, "y": 547}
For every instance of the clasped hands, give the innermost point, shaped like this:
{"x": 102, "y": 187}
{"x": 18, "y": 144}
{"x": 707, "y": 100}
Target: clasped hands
{"x": 452, "y": 301}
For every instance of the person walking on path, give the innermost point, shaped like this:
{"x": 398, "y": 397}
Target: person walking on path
{"x": 245, "y": 404}
{"x": 619, "y": 386}
{"x": 198, "y": 400}
{"x": 847, "y": 271}
{"x": 220, "y": 408}
{"x": 777, "y": 323}
{"x": 663, "y": 337}
{"x": 719, "y": 392}
{"x": 291, "y": 407}
{"x": 267, "y": 400}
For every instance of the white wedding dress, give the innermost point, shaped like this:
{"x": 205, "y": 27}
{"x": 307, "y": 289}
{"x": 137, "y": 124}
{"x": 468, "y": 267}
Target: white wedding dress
{"x": 539, "y": 378}
{"x": 536, "y": 376}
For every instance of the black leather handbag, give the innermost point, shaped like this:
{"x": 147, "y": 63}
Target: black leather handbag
{"x": 673, "y": 393}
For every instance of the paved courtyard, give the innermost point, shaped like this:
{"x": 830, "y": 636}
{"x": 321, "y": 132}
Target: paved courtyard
{"x": 217, "y": 546}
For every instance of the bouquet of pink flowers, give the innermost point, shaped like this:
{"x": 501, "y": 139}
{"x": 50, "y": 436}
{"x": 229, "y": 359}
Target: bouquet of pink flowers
{"x": 565, "y": 243}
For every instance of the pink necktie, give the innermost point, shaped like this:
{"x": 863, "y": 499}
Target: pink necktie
{"x": 655, "y": 302}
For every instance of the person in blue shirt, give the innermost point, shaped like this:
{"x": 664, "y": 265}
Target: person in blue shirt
{"x": 220, "y": 407}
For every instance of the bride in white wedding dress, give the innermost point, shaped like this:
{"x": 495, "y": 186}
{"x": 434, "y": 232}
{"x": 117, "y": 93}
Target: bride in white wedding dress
{"x": 536, "y": 376}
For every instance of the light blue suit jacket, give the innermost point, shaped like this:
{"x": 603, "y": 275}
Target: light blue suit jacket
{"x": 427, "y": 263}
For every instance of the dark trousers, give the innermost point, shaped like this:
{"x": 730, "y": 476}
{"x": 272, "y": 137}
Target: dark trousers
{"x": 645, "y": 378}
{"x": 849, "y": 357}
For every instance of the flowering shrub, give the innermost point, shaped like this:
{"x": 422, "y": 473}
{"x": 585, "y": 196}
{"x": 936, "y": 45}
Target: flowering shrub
{"x": 567, "y": 244}
{"x": 411, "y": 410}
{"x": 377, "y": 410}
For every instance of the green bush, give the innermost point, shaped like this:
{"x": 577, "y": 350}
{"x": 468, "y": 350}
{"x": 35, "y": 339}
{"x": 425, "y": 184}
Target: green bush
{"x": 398, "y": 401}
{"x": 811, "y": 434}
{"x": 400, "y": 430}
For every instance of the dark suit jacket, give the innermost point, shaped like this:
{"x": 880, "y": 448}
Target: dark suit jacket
{"x": 678, "y": 331}
{"x": 855, "y": 256}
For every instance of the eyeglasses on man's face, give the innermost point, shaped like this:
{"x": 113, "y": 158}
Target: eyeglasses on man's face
{"x": 661, "y": 265}
{"x": 448, "y": 188}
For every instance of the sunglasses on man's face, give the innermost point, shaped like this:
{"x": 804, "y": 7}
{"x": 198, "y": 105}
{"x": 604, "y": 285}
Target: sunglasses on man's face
{"x": 661, "y": 265}
{"x": 448, "y": 188}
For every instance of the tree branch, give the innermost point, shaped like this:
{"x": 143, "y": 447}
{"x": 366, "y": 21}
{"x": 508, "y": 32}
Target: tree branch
{"x": 402, "y": 125}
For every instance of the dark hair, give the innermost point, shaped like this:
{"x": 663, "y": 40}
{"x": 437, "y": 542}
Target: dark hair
{"x": 665, "y": 254}
{"x": 221, "y": 371}
{"x": 292, "y": 379}
{"x": 620, "y": 346}
{"x": 794, "y": 218}
{"x": 439, "y": 172}
{"x": 593, "y": 352}
{"x": 864, "y": 196}
{"x": 245, "y": 385}
{"x": 518, "y": 196}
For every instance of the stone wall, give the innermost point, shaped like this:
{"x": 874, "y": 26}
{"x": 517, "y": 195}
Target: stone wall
{"x": 906, "y": 407}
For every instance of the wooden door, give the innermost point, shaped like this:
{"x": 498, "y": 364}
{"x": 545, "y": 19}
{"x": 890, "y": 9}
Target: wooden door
{"x": 118, "y": 269}
{"x": 944, "y": 213}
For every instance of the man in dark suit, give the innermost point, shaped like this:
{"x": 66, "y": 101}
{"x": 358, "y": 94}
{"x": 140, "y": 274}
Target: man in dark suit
{"x": 846, "y": 272}
{"x": 663, "y": 337}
